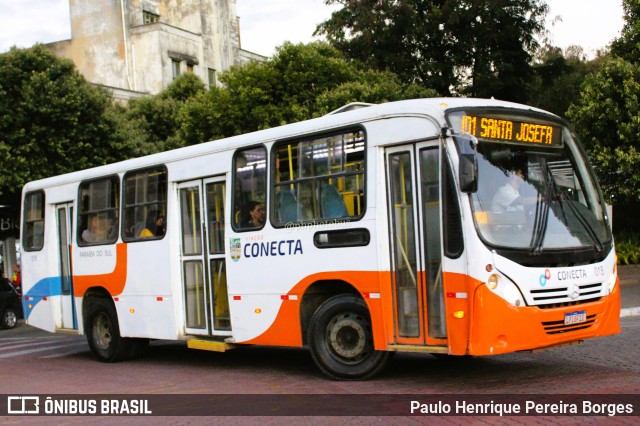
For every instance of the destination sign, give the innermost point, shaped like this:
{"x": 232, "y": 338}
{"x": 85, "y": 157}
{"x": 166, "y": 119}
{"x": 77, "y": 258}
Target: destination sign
{"x": 511, "y": 131}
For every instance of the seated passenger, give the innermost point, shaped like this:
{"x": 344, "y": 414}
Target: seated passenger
{"x": 154, "y": 225}
{"x": 252, "y": 215}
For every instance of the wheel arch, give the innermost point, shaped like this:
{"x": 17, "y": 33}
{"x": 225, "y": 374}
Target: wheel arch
{"x": 90, "y": 295}
{"x": 318, "y": 293}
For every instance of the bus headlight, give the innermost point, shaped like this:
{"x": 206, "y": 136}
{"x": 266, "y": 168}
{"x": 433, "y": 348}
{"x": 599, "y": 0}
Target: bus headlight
{"x": 506, "y": 289}
{"x": 611, "y": 282}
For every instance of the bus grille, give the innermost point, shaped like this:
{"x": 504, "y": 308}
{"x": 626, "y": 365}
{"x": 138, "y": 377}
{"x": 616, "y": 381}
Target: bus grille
{"x": 548, "y": 298}
{"x": 558, "y": 327}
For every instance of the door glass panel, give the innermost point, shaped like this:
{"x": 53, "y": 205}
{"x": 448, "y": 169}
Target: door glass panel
{"x": 194, "y": 294}
{"x": 215, "y": 217}
{"x": 221, "y": 316}
{"x": 190, "y": 217}
{"x": 65, "y": 265}
{"x": 404, "y": 244}
{"x": 430, "y": 179}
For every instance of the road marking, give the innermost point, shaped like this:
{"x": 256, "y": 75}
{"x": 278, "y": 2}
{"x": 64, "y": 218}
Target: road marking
{"x": 31, "y": 351}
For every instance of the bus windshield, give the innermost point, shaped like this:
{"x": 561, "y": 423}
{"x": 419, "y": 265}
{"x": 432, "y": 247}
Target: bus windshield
{"x": 535, "y": 189}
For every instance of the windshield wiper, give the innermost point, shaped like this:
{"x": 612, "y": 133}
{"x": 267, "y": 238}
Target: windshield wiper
{"x": 542, "y": 213}
{"x": 599, "y": 246}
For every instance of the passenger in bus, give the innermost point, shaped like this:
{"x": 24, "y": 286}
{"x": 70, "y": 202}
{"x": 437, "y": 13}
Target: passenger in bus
{"x": 253, "y": 215}
{"x": 508, "y": 195}
{"x": 90, "y": 235}
{"x": 154, "y": 225}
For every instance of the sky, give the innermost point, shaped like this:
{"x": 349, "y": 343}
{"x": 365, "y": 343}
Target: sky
{"x": 265, "y": 24}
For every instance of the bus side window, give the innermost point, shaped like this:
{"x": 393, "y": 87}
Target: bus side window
{"x": 98, "y": 211}
{"x": 250, "y": 188}
{"x": 145, "y": 204}
{"x": 33, "y": 233}
{"x": 319, "y": 178}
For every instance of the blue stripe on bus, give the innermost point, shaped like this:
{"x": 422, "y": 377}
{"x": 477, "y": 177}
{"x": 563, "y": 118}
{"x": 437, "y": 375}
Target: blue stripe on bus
{"x": 46, "y": 287}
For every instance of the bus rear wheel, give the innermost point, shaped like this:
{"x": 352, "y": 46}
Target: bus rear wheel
{"x": 103, "y": 332}
{"x": 341, "y": 340}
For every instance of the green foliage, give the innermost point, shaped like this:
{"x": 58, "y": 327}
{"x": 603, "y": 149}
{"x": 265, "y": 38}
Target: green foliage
{"x": 628, "y": 248}
{"x": 298, "y": 83}
{"x": 470, "y": 47}
{"x": 51, "y": 120}
{"x": 558, "y": 78}
{"x": 152, "y": 124}
{"x": 627, "y": 45}
{"x": 607, "y": 116}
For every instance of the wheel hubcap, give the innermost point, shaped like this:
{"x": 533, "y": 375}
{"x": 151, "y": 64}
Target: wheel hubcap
{"x": 102, "y": 331}
{"x": 10, "y": 319}
{"x": 347, "y": 336}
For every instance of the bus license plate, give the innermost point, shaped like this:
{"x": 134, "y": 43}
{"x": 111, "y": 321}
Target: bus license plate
{"x": 575, "y": 317}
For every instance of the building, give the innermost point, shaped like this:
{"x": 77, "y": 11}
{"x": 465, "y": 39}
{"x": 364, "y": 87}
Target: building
{"x": 137, "y": 47}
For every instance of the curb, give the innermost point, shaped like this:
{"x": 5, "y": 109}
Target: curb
{"x": 629, "y": 312}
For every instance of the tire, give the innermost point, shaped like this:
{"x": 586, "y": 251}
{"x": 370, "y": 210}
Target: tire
{"x": 9, "y": 318}
{"x": 341, "y": 340}
{"x": 103, "y": 332}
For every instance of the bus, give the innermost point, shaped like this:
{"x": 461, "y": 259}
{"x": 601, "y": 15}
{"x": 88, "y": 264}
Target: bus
{"x": 447, "y": 226}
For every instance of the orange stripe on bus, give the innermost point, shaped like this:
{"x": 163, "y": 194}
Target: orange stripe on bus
{"x": 113, "y": 282}
{"x": 286, "y": 331}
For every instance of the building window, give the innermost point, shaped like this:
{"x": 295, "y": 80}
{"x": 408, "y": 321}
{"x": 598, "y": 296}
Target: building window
{"x": 190, "y": 67}
{"x": 319, "y": 178}
{"x": 175, "y": 68}
{"x": 33, "y": 235}
{"x": 98, "y": 212}
{"x": 145, "y": 204}
{"x": 212, "y": 77}
{"x": 149, "y": 18}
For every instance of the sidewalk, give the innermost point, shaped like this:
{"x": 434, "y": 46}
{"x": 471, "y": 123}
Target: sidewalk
{"x": 630, "y": 290}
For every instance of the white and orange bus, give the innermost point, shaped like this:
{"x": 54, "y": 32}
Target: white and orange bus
{"x": 448, "y": 226}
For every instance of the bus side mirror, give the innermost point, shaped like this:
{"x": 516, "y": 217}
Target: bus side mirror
{"x": 468, "y": 173}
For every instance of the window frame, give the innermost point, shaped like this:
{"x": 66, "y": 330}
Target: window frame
{"x": 27, "y": 221}
{"x": 124, "y": 206}
{"x": 236, "y": 226}
{"x": 319, "y": 178}
{"x": 80, "y": 212}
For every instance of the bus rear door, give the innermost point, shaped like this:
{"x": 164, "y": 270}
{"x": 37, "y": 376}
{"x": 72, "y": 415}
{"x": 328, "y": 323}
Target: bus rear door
{"x": 65, "y": 313}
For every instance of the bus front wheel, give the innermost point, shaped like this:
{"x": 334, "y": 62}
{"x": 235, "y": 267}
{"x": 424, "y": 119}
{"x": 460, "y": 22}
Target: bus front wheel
{"x": 341, "y": 340}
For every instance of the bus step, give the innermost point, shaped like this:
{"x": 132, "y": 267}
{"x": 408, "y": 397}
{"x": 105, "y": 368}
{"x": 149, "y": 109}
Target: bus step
{"x": 67, "y": 331}
{"x": 209, "y": 345}
{"x": 419, "y": 348}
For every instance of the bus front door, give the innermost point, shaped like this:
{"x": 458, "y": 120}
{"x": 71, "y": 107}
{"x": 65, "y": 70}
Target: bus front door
{"x": 204, "y": 277}
{"x": 413, "y": 173}
{"x": 66, "y": 312}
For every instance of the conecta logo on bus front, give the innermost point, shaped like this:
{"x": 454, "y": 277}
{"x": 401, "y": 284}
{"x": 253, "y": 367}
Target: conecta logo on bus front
{"x": 545, "y": 277}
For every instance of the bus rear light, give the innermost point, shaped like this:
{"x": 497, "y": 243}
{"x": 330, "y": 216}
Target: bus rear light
{"x": 458, "y": 314}
{"x": 489, "y": 267}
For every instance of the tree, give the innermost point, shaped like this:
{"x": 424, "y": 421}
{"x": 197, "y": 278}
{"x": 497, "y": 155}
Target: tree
{"x": 51, "y": 120}
{"x": 627, "y": 46}
{"x": 471, "y": 47}
{"x": 151, "y": 124}
{"x": 298, "y": 83}
{"x": 606, "y": 116}
{"x": 559, "y": 76}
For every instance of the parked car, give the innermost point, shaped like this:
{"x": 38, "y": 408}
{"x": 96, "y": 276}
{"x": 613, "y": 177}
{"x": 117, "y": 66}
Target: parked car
{"x": 10, "y": 305}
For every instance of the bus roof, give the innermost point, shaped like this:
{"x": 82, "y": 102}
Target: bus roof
{"x": 428, "y": 107}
